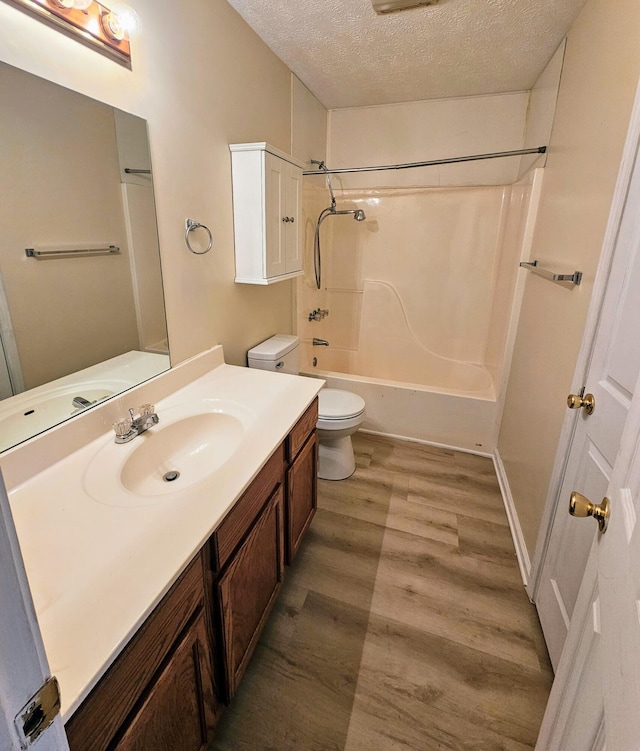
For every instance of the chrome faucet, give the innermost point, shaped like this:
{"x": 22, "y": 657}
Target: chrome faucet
{"x": 79, "y": 402}
{"x": 320, "y": 342}
{"x": 130, "y": 427}
{"x": 318, "y": 314}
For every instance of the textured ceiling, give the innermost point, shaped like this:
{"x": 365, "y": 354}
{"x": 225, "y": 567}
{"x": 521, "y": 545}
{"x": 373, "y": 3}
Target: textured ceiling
{"x": 349, "y": 56}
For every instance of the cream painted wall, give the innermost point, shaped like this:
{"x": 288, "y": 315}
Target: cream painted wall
{"x": 601, "y": 69}
{"x": 541, "y": 111}
{"x": 203, "y": 79}
{"x": 308, "y": 141}
{"x": 421, "y": 131}
{"x": 308, "y": 124}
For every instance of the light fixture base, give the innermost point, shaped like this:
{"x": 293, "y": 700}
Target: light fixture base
{"x": 382, "y": 7}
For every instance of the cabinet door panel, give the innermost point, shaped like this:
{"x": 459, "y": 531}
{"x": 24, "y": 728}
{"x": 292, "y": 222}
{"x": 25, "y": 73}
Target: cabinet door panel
{"x": 248, "y": 587}
{"x": 177, "y": 713}
{"x": 301, "y": 495}
{"x": 293, "y": 230}
{"x": 275, "y": 258}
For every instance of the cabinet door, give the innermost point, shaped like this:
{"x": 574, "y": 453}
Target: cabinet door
{"x": 293, "y": 228}
{"x": 275, "y": 215}
{"x": 301, "y": 495}
{"x": 177, "y": 712}
{"x": 248, "y": 587}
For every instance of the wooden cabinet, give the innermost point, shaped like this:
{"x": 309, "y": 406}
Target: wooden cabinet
{"x": 267, "y": 213}
{"x": 174, "y": 713}
{"x": 248, "y": 587}
{"x": 247, "y": 550}
{"x": 301, "y": 500}
{"x": 160, "y": 691}
{"x": 167, "y": 688}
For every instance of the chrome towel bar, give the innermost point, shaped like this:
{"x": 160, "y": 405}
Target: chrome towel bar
{"x": 574, "y": 278}
{"x": 71, "y": 252}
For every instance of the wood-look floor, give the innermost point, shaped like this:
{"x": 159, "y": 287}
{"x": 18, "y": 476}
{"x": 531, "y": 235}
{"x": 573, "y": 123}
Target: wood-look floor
{"x": 403, "y": 623}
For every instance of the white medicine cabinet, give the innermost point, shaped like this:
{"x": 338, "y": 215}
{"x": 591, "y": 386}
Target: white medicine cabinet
{"x": 267, "y": 216}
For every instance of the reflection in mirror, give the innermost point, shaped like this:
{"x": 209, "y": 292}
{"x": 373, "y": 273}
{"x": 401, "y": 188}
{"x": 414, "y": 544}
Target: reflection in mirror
{"x": 76, "y": 327}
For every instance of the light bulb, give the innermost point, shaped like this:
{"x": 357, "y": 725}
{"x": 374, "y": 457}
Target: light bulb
{"x": 82, "y": 4}
{"x": 112, "y": 27}
{"x": 128, "y": 18}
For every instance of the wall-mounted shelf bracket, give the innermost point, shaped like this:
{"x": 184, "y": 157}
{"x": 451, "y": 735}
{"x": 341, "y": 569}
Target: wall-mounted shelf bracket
{"x": 574, "y": 278}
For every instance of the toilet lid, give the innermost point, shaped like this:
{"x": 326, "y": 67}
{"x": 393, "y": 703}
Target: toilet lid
{"x": 335, "y": 404}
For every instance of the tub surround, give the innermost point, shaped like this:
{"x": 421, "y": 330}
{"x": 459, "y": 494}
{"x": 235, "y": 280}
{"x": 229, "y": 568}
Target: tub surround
{"x": 96, "y": 570}
{"x": 425, "y": 340}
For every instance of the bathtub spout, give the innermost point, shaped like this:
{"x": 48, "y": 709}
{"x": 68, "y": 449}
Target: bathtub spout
{"x": 320, "y": 342}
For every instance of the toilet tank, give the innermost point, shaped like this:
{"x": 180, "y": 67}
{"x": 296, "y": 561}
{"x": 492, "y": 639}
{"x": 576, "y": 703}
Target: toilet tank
{"x": 279, "y": 353}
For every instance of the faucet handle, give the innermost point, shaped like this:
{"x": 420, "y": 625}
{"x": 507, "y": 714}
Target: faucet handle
{"x": 123, "y": 426}
{"x": 146, "y": 409}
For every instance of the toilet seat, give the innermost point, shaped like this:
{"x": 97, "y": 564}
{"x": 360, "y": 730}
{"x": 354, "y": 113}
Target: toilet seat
{"x": 335, "y": 404}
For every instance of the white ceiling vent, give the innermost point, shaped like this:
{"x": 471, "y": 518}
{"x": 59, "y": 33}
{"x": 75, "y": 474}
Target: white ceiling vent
{"x": 389, "y": 6}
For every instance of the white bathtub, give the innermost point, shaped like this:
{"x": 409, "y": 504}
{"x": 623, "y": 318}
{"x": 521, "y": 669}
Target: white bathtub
{"x": 466, "y": 420}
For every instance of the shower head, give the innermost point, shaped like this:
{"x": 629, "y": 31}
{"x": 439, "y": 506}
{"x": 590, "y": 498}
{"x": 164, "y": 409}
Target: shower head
{"x": 358, "y": 214}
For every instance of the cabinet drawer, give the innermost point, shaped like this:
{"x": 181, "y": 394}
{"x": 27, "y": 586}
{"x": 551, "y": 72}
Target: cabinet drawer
{"x": 235, "y": 525}
{"x": 301, "y": 430}
{"x": 93, "y": 726}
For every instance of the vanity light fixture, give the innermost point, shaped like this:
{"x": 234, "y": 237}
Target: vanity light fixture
{"x": 88, "y": 21}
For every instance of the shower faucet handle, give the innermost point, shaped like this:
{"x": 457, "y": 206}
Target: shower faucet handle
{"x": 318, "y": 314}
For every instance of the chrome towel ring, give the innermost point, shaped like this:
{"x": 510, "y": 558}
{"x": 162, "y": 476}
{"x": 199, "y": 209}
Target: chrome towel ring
{"x": 190, "y": 225}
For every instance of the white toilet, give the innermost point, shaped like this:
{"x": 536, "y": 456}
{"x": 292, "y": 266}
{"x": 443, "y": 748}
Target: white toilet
{"x": 340, "y": 413}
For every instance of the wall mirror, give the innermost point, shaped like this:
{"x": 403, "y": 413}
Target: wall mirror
{"x": 82, "y": 313}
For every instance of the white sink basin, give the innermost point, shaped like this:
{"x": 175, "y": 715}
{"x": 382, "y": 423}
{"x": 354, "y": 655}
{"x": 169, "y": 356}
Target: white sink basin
{"x": 186, "y": 448}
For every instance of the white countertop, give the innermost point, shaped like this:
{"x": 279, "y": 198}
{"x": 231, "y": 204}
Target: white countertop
{"x": 97, "y": 571}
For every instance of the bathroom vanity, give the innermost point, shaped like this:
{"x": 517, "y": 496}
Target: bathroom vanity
{"x": 151, "y": 600}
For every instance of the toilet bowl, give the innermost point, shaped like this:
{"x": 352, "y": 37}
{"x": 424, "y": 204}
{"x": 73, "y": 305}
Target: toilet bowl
{"x": 340, "y": 413}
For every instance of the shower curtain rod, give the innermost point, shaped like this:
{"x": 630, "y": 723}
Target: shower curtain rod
{"x": 433, "y": 163}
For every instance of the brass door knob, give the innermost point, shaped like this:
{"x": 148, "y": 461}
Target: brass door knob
{"x": 579, "y": 505}
{"x": 588, "y": 402}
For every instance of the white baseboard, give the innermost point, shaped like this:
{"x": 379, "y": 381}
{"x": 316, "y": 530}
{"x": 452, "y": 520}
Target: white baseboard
{"x": 514, "y": 522}
{"x": 426, "y": 443}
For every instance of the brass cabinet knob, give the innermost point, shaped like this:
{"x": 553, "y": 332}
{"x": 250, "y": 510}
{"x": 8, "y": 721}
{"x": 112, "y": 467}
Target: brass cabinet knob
{"x": 588, "y": 402}
{"x": 580, "y": 505}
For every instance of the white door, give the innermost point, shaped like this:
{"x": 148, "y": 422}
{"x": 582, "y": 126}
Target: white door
{"x": 596, "y": 694}
{"x": 611, "y": 378}
{"x": 23, "y": 663}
